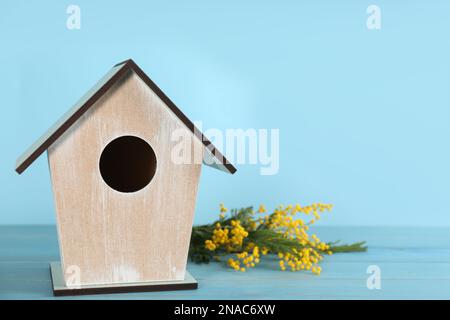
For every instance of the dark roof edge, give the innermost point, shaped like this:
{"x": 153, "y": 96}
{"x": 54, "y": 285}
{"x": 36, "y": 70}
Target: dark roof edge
{"x": 180, "y": 115}
{"x": 49, "y": 138}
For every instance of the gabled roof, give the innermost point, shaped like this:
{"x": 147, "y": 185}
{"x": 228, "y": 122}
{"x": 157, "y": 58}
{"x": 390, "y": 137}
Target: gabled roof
{"x": 215, "y": 157}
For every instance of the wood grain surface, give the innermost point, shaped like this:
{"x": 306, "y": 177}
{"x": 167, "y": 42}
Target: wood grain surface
{"x": 116, "y": 237}
{"x": 414, "y": 262}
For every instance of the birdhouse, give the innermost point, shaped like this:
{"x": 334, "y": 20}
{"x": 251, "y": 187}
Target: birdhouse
{"x": 124, "y": 205}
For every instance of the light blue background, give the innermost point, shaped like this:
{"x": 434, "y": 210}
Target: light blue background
{"x": 363, "y": 115}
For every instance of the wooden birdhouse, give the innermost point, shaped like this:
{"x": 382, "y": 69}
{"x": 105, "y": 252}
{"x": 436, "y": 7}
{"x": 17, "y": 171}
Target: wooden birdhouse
{"x": 124, "y": 207}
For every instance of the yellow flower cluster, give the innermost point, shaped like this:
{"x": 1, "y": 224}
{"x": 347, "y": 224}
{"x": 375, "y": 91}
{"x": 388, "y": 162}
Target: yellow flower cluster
{"x": 222, "y": 211}
{"x": 304, "y": 259}
{"x": 283, "y": 216}
{"x": 220, "y": 235}
{"x": 238, "y": 233}
{"x": 311, "y": 250}
{"x": 262, "y": 209}
{"x": 247, "y": 259}
{"x": 304, "y": 252}
{"x": 210, "y": 245}
{"x": 231, "y": 238}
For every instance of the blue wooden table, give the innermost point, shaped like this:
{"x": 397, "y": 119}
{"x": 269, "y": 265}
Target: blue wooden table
{"x": 414, "y": 264}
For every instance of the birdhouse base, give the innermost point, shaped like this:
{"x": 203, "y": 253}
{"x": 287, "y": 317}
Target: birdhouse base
{"x": 61, "y": 289}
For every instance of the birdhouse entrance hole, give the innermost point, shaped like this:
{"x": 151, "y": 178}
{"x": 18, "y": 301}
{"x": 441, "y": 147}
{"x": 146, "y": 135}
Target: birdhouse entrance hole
{"x": 127, "y": 164}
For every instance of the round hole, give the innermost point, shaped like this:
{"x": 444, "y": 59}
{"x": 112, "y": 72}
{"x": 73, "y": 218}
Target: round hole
{"x": 127, "y": 164}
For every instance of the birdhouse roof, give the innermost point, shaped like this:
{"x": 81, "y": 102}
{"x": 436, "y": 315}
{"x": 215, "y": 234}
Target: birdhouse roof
{"x": 93, "y": 95}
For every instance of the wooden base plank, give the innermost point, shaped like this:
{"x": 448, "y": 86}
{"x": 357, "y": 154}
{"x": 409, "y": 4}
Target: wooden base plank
{"x": 60, "y": 288}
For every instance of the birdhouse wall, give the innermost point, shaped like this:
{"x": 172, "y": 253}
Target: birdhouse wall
{"x": 107, "y": 236}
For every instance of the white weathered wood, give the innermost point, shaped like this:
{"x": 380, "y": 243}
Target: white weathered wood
{"x": 116, "y": 237}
